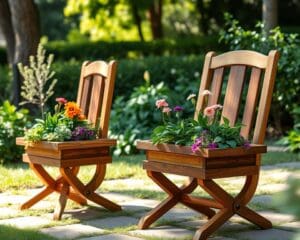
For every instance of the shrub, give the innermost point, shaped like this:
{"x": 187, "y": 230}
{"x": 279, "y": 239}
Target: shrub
{"x": 119, "y": 50}
{"x": 287, "y": 88}
{"x": 134, "y": 119}
{"x": 12, "y": 124}
{"x": 5, "y": 83}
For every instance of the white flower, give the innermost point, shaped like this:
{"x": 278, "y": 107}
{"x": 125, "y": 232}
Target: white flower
{"x": 206, "y": 92}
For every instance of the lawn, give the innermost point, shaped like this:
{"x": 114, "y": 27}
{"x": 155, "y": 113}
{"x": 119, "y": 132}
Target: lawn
{"x": 18, "y": 177}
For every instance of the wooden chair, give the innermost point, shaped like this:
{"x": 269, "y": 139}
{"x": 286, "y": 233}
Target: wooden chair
{"x": 207, "y": 165}
{"x": 95, "y": 99}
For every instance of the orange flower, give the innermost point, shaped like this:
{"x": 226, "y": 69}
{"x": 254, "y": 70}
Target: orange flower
{"x": 81, "y": 117}
{"x": 72, "y": 110}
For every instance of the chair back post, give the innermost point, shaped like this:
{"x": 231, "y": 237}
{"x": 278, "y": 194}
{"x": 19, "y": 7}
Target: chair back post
{"x": 95, "y": 93}
{"x": 266, "y": 98}
{"x": 205, "y": 82}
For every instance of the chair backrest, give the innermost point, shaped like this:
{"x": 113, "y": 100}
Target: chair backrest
{"x": 95, "y": 92}
{"x": 250, "y": 74}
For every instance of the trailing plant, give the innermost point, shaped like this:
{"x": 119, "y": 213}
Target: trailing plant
{"x": 36, "y": 76}
{"x": 12, "y": 124}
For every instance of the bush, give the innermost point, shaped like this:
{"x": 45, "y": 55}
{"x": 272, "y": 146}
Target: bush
{"x": 3, "y": 58}
{"x": 134, "y": 119}
{"x": 119, "y": 50}
{"x": 5, "y": 83}
{"x": 287, "y": 85}
{"x": 12, "y": 124}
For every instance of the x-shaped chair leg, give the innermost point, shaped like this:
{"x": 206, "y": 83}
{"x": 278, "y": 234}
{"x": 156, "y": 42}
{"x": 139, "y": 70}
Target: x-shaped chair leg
{"x": 230, "y": 206}
{"x": 51, "y": 185}
{"x": 176, "y": 195}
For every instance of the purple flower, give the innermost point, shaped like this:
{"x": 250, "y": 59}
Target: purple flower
{"x": 212, "y": 145}
{"x": 198, "y": 141}
{"x": 194, "y": 147}
{"x": 247, "y": 144}
{"x": 83, "y": 133}
{"x": 178, "y": 109}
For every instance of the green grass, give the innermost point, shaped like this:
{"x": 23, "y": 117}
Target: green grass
{"x": 12, "y": 233}
{"x": 17, "y": 177}
{"x": 272, "y": 158}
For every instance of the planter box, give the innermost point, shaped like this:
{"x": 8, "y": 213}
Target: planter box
{"x": 204, "y": 164}
{"x": 68, "y": 154}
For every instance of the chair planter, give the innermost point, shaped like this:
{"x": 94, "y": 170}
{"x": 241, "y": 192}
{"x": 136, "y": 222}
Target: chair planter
{"x": 206, "y": 165}
{"x": 68, "y": 157}
{"x": 94, "y": 97}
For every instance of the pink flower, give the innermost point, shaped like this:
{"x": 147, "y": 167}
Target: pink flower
{"x": 217, "y": 106}
{"x": 61, "y": 100}
{"x": 161, "y": 103}
{"x": 195, "y": 147}
{"x": 166, "y": 110}
{"x": 209, "y": 111}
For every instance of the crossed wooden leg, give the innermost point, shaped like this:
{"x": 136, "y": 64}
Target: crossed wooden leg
{"x": 176, "y": 195}
{"x": 227, "y": 204}
{"x": 230, "y": 206}
{"x": 69, "y": 186}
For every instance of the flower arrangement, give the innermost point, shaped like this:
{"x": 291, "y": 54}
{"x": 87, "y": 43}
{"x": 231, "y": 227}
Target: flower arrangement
{"x": 207, "y": 131}
{"x": 66, "y": 124}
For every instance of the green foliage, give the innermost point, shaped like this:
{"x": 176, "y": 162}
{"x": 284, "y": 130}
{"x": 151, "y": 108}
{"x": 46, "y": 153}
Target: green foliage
{"x": 5, "y": 83}
{"x": 66, "y": 123}
{"x": 292, "y": 140}
{"x": 12, "y": 124}
{"x": 206, "y": 131}
{"x": 36, "y": 76}
{"x": 287, "y": 90}
{"x": 133, "y": 118}
{"x": 131, "y": 49}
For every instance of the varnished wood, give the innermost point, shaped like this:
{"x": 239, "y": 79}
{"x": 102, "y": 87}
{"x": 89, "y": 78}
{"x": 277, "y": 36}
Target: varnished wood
{"x": 240, "y": 57}
{"x": 233, "y": 93}
{"x": 205, "y": 165}
{"x": 251, "y": 102}
{"x": 94, "y": 97}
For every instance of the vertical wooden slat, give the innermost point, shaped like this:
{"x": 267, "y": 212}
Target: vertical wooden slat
{"x": 81, "y": 80}
{"x": 85, "y": 95}
{"x": 216, "y": 86}
{"x": 205, "y": 82}
{"x": 266, "y": 97}
{"x": 251, "y": 102}
{"x": 107, "y": 98}
{"x": 96, "y": 99}
{"x": 233, "y": 93}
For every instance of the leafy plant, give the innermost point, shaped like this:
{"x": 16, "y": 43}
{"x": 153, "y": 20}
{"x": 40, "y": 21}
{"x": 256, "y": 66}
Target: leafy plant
{"x": 133, "y": 118}
{"x": 12, "y": 124}
{"x": 67, "y": 123}
{"x": 36, "y": 76}
{"x": 204, "y": 132}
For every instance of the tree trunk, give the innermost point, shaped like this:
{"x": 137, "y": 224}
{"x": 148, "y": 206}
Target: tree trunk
{"x": 270, "y": 15}
{"x": 7, "y": 30}
{"x": 25, "y": 22}
{"x": 155, "y": 14}
{"x": 137, "y": 19}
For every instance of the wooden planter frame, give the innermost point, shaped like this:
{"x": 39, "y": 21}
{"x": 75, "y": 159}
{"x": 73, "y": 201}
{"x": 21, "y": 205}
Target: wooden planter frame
{"x": 68, "y": 157}
{"x": 201, "y": 168}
